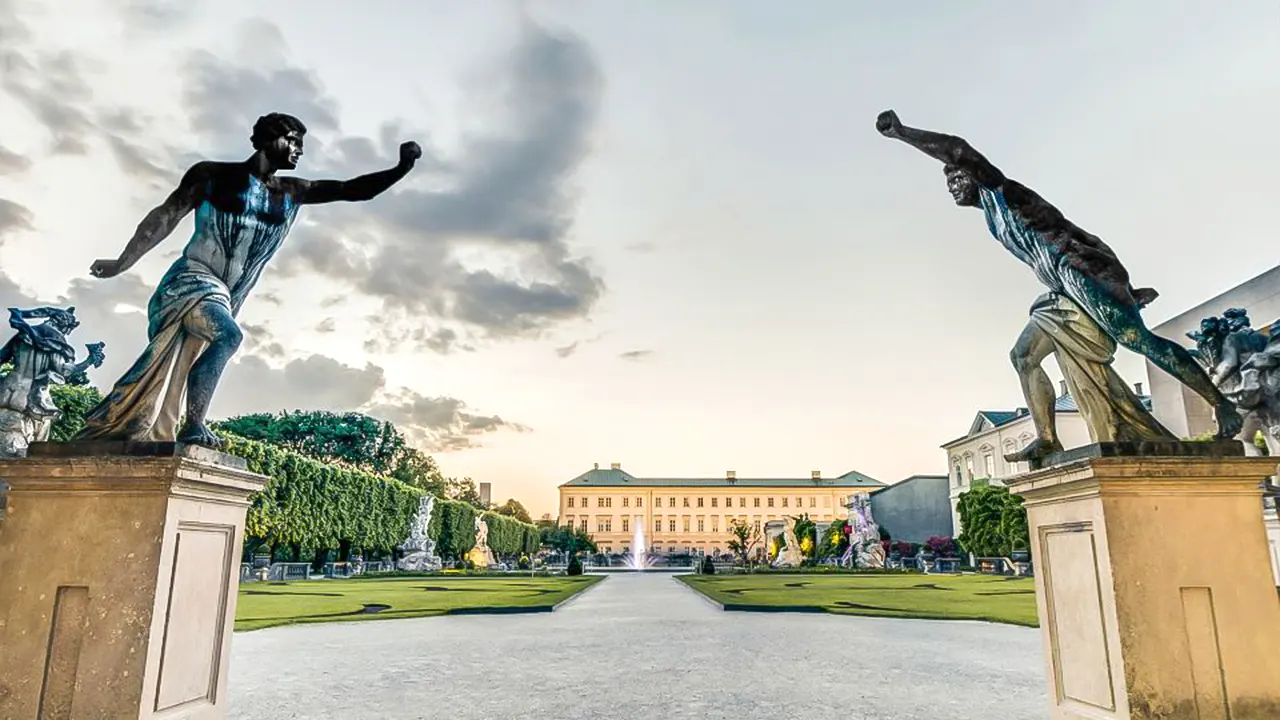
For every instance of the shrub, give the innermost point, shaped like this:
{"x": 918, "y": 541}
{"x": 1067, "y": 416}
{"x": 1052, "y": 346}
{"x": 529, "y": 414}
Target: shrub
{"x": 993, "y": 522}
{"x": 708, "y": 567}
{"x": 575, "y": 566}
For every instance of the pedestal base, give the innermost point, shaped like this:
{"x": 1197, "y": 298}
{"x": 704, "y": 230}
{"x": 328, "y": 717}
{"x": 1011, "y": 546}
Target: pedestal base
{"x": 1154, "y": 588}
{"x": 118, "y": 580}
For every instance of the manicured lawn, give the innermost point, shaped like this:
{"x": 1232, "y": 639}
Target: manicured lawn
{"x": 940, "y": 597}
{"x": 266, "y": 604}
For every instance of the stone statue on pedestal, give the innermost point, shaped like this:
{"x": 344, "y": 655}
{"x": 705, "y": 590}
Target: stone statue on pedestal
{"x": 865, "y": 550}
{"x": 419, "y": 549}
{"x": 40, "y": 356}
{"x": 481, "y": 556}
{"x": 789, "y": 555}
{"x": 1090, "y": 306}
{"x": 243, "y": 211}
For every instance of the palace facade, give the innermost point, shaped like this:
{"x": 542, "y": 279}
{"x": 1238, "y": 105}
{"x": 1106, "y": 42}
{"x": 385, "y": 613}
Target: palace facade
{"x": 694, "y": 514}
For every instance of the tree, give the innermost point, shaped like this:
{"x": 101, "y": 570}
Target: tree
{"x": 513, "y": 508}
{"x": 745, "y": 537}
{"x": 75, "y": 401}
{"x": 353, "y": 439}
{"x": 463, "y": 490}
{"x": 992, "y": 521}
{"x": 567, "y": 539}
{"x": 420, "y": 470}
{"x": 350, "y": 439}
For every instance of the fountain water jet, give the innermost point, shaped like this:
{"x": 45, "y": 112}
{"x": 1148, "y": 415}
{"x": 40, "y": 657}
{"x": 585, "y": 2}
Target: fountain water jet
{"x": 638, "y": 559}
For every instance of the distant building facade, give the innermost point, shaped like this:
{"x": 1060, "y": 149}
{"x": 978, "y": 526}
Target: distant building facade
{"x": 915, "y": 509}
{"x": 979, "y": 454}
{"x": 694, "y": 514}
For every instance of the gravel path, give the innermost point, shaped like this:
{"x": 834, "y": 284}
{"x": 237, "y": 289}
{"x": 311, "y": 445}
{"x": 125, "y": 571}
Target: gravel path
{"x": 639, "y": 646}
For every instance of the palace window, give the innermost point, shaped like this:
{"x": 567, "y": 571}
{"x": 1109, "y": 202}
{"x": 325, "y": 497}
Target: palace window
{"x": 657, "y": 502}
{"x": 699, "y": 502}
{"x": 657, "y": 526}
{"x": 686, "y": 501}
{"x": 713, "y": 502}
{"x": 639, "y": 502}
{"x": 757, "y": 501}
{"x": 599, "y": 502}
{"x": 570, "y": 502}
{"x": 715, "y": 524}
{"x": 686, "y": 524}
{"x": 770, "y": 502}
{"x": 604, "y": 525}
{"x": 700, "y": 523}
{"x": 672, "y": 503}
{"x": 582, "y": 523}
{"x": 756, "y": 525}
{"x": 626, "y": 502}
{"x": 626, "y": 524}
{"x": 813, "y": 502}
{"x": 742, "y": 502}
{"x": 799, "y": 502}
{"x": 784, "y": 502}
{"x": 671, "y": 525}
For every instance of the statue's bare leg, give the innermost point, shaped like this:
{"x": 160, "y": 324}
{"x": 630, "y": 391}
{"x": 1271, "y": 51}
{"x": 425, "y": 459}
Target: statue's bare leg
{"x": 1124, "y": 324}
{"x": 1028, "y": 355}
{"x": 212, "y": 323}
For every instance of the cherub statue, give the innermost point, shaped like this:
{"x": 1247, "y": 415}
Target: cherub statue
{"x": 1242, "y": 363}
{"x": 40, "y": 356}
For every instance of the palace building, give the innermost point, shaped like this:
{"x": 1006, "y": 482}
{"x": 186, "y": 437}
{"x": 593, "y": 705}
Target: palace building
{"x": 694, "y": 514}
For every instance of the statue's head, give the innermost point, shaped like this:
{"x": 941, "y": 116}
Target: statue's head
{"x": 962, "y": 186}
{"x": 63, "y": 320}
{"x": 279, "y": 137}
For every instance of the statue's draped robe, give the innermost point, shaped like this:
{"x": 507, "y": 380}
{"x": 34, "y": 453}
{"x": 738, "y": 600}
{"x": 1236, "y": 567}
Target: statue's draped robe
{"x": 220, "y": 264}
{"x": 1074, "y": 314}
{"x": 39, "y": 355}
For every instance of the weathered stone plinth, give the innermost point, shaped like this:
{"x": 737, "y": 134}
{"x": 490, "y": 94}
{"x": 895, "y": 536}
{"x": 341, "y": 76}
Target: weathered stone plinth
{"x": 119, "y": 567}
{"x": 1154, "y": 587}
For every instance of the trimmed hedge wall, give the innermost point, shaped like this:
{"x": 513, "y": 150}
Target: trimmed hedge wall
{"x": 319, "y": 505}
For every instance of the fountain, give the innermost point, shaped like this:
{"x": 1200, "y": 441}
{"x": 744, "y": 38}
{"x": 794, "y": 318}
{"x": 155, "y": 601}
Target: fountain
{"x": 638, "y": 558}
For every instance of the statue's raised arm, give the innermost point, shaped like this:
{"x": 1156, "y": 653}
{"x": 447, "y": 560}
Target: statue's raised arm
{"x": 954, "y": 152}
{"x": 159, "y": 223}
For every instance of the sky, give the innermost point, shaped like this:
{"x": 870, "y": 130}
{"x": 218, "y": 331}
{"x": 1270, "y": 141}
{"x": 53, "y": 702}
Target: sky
{"x": 664, "y": 234}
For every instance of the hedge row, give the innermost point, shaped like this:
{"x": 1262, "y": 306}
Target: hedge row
{"x": 314, "y": 504}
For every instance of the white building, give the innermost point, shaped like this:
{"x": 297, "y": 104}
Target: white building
{"x": 979, "y": 454}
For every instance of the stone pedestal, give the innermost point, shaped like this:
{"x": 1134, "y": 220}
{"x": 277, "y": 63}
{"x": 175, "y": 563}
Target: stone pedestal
{"x": 119, "y": 566}
{"x": 1154, "y": 588}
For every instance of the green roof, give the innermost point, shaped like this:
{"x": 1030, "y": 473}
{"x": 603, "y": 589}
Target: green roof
{"x": 621, "y": 478}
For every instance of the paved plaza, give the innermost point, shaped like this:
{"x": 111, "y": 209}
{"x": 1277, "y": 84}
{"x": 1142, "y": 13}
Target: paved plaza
{"x": 640, "y": 646}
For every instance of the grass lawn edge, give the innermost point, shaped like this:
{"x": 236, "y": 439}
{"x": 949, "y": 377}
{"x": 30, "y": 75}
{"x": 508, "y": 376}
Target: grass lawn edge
{"x": 413, "y": 614}
{"x": 810, "y": 609}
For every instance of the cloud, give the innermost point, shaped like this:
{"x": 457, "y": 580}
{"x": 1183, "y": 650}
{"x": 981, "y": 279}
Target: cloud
{"x": 636, "y": 355}
{"x": 318, "y": 382}
{"x": 11, "y": 163}
{"x": 506, "y": 191}
{"x": 155, "y": 15}
{"x": 440, "y": 424}
{"x": 13, "y": 217}
{"x": 565, "y": 351}
{"x": 327, "y": 325}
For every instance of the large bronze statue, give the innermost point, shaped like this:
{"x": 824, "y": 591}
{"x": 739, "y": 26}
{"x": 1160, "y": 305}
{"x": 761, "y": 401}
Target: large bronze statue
{"x": 243, "y": 212}
{"x": 1089, "y": 308}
